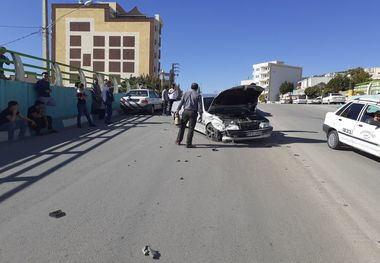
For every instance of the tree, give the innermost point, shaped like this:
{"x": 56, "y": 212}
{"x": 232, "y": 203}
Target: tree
{"x": 286, "y": 87}
{"x": 315, "y": 91}
{"x": 358, "y": 75}
{"x": 336, "y": 84}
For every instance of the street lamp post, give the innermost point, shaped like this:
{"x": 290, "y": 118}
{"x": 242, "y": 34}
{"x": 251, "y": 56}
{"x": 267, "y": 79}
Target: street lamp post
{"x": 350, "y": 90}
{"x": 45, "y": 33}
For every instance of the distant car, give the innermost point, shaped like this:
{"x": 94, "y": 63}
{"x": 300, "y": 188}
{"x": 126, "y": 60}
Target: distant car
{"x": 141, "y": 100}
{"x": 333, "y": 98}
{"x": 314, "y": 101}
{"x": 232, "y": 116}
{"x": 354, "y": 125}
{"x": 286, "y": 101}
{"x": 300, "y": 101}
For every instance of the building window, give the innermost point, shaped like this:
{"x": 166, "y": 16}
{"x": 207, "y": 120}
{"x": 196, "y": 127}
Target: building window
{"x": 129, "y": 67}
{"x": 99, "y": 41}
{"x": 75, "y": 41}
{"x": 129, "y": 41}
{"x": 114, "y": 67}
{"x": 98, "y": 53}
{"x": 114, "y": 54}
{"x": 80, "y": 26}
{"x": 129, "y": 54}
{"x": 115, "y": 41}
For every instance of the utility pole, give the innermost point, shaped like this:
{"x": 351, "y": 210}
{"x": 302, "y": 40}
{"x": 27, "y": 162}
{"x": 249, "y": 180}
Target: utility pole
{"x": 45, "y": 34}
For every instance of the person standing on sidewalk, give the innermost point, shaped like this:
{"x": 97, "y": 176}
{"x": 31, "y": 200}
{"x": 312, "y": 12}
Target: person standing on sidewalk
{"x": 108, "y": 98}
{"x": 192, "y": 104}
{"x": 82, "y": 107}
{"x": 165, "y": 101}
{"x": 44, "y": 91}
{"x": 3, "y": 59}
{"x": 173, "y": 94}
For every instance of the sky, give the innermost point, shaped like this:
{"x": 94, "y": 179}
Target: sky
{"x": 217, "y": 42}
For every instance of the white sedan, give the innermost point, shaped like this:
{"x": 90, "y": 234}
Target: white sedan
{"x": 141, "y": 100}
{"x": 355, "y": 124}
{"x": 232, "y": 115}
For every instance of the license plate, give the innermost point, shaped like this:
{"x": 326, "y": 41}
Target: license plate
{"x": 253, "y": 133}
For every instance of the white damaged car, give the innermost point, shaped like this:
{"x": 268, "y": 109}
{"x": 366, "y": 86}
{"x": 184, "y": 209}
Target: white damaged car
{"x": 232, "y": 116}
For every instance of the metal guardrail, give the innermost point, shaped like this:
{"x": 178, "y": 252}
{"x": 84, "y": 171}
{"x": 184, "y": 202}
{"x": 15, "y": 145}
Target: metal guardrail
{"x": 55, "y": 71}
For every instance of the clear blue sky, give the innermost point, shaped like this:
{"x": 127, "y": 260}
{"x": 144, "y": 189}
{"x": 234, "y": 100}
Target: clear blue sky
{"x": 216, "y": 42}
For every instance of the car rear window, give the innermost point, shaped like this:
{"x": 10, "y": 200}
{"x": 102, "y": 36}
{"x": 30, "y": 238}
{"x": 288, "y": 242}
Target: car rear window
{"x": 137, "y": 93}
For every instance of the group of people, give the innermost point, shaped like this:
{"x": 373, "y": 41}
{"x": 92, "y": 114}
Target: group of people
{"x": 168, "y": 96}
{"x": 37, "y": 119}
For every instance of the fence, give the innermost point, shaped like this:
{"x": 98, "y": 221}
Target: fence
{"x": 59, "y": 72}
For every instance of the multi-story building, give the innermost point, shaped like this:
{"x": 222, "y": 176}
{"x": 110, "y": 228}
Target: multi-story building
{"x": 106, "y": 38}
{"x": 314, "y": 80}
{"x": 374, "y": 72}
{"x": 270, "y": 75}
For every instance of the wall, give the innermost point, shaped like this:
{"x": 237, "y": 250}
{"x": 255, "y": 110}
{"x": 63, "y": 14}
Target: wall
{"x": 25, "y": 94}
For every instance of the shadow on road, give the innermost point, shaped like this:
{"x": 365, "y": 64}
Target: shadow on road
{"x": 23, "y": 156}
{"x": 278, "y": 138}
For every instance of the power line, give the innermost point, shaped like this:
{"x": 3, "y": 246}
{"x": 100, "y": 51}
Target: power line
{"x": 4, "y": 26}
{"x": 39, "y": 31}
{"x": 21, "y": 38}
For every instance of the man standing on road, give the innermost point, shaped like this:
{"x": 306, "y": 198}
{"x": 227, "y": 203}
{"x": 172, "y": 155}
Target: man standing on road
{"x": 192, "y": 104}
{"x": 165, "y": 101}
{"x": 44, "y": 91}
{"x": 173, "y": 94}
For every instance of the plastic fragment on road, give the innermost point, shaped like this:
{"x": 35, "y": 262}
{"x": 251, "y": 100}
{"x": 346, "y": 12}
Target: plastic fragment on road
{"x": 181, "y": 178}
{"x": 178, "y": 161}
{"x": 148, "y": 251}
{"x": 215, "y": 150}
{"x": 186, "y": 161}
{"x": 57, "y": 214}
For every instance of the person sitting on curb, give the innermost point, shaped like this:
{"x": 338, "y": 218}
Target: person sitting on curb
{"x": 11, "y": 120}
{"x": 82, "y": 107}
{"x": 44, "y": 92}
{"x": 42, "y": 121}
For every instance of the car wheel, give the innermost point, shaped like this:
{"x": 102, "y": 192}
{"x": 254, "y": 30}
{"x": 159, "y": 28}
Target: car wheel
{"x": 333, "y": 140}
{"x": 212, "y": 133}
{"x": 152, "y": 110}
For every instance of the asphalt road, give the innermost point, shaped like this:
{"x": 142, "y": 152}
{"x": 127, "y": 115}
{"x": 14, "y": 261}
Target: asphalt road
{"x": 286, "y": 199}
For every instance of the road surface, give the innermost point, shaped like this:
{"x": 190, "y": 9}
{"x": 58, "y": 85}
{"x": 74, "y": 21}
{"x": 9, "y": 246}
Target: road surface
{"x": 287, "y": 199}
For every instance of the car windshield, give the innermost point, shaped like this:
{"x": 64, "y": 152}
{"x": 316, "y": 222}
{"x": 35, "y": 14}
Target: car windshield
{"x": 137, "y": 93}
{"x": 335, "y": 94}
{"x": 207, "y": 102}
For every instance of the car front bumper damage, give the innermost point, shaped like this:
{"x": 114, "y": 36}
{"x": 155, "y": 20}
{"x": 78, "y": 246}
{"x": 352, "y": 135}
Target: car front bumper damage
{"x": 244, "y": 135}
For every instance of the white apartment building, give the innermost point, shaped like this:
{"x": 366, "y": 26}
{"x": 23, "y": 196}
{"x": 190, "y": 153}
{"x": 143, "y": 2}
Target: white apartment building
{"x": 270, "y": 75}
{"x": 314, "y": 80}
{"x": 374, "y": 72}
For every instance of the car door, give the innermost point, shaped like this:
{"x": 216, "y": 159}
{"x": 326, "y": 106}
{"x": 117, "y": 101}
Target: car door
{"x": 367, "y": 132}
{"x": 346, "y": 122}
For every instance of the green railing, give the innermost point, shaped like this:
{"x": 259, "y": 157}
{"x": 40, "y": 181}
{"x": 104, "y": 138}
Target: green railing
{"x": 60, "y": 73}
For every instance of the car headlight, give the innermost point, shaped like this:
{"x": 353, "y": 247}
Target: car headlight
{"x": 264, "y": 125}
{"x": 218, "y": 124}
{"x": 233, "y": 127}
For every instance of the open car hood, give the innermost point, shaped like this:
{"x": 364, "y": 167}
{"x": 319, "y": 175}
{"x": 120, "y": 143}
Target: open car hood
{"x": 240, "y": 96}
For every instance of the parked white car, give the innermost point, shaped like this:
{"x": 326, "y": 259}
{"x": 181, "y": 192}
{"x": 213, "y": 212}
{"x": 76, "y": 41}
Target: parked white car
{"x": 300, "y": 100}
{"x": 317, "y": 100}
{"x": 141, "y": 100}
{"x": 232, "y": 116}
{"x": 355, "y": 125}
{"x": 333, "y": 98}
